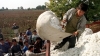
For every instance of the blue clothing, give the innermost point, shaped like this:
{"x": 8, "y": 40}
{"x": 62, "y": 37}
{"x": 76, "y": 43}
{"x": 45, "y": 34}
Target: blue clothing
{"x": 7, "y": 44}
{"x": 25, "y": 48}
{"x": 5, "y": 47}
{"x": 28, "y": 32}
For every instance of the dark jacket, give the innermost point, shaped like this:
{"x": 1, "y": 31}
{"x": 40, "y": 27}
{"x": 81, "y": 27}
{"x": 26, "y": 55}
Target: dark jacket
{"x": 5, "y": 47}
{"x": 15, "y": 27}
{"x": 15, "y": 49}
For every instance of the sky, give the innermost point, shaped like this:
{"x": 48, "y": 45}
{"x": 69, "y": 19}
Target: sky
{"x": 14, "y": 4}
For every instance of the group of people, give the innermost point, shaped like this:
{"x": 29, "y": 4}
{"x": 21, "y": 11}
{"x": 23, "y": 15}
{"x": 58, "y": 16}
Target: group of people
{"x": 26, "y": 43}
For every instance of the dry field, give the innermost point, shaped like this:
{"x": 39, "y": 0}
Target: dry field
{"x": 23, "y": 18}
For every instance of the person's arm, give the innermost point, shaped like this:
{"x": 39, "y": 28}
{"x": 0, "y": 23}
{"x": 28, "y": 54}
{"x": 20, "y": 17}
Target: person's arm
{"x": 67, "y": 16}
{"x": 24, "y": 49}
{"x": 81, "y": 27}
{"x": 75, "y": 33}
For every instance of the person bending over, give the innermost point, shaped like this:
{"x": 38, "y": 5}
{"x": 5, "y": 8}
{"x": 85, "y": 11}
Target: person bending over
{"x": 75, "y": 24}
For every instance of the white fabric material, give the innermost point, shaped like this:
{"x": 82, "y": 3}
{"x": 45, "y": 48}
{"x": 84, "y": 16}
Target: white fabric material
{"x": 15, "y": 31}
{"x": 48, "y": 27}
{"x": 28, "y": 53}
{"x": 88, "y": 45}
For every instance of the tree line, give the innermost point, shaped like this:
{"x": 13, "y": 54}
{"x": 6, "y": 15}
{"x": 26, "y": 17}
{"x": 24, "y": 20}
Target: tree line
{"x": 39, "y": 7}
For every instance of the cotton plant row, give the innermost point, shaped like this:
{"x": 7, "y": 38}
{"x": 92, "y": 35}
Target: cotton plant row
{"x": 87, "y": 45}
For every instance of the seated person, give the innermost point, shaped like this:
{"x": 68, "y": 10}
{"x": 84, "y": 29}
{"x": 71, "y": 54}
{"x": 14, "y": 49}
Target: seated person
{"x": 25, "y": 38}
{"x": 20, "y": 42}
{"x": 21, "y": 36}
{"x": 37, "y": 45}
{"x": 4, "y": 47}
{"x": 29, "y": 52}
{"x": 15, "y": 48}
{"x": 7, "y": 42}
{"x": 34, "y": 36}
{"x": 25, "y": 48}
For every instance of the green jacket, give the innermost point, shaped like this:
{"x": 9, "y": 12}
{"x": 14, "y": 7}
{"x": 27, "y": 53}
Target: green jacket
{"x": 81, "y": 23}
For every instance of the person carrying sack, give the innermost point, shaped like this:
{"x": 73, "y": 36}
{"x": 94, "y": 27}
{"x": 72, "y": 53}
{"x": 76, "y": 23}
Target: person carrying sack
{"x": 76, "y": 22}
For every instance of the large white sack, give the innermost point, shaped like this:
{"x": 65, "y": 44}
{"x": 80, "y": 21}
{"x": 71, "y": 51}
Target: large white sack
{"x": 48, "y": 27}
